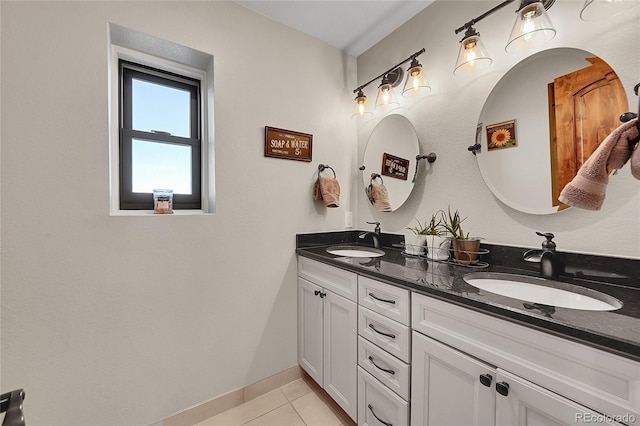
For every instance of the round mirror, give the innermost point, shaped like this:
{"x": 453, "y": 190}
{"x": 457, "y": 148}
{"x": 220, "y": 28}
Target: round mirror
{"x": 390, "y": 162}
{"x": 541, "y": 122}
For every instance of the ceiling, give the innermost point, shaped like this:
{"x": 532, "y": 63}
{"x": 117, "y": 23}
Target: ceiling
{"x": 350, "y": 25}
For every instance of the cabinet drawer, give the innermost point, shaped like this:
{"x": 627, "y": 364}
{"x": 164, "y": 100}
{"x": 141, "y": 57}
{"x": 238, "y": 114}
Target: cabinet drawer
{"x": 599, "y": 380}
{"x": 377, "y": 405}
{"x": 392, "y": 372}
{"x": 334, "y": 279}
{"x": 391, "y": 336}
{"x": 385, "y": 299}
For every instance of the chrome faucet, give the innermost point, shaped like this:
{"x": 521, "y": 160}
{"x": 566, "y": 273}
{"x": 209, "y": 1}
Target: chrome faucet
{"x": 375, "y": 235}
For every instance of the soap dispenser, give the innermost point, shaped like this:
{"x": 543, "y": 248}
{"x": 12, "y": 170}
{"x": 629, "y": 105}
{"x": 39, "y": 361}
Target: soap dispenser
{"x": 550, "y": 266}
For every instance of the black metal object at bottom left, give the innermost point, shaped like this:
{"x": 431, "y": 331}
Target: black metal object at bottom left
{"x": 11, "y": 405}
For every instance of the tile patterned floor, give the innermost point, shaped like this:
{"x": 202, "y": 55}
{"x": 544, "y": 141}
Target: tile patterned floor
{"x": 299, "y": 403}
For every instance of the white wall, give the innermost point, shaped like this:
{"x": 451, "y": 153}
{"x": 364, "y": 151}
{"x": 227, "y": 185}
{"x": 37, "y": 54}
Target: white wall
{"x": 446, "y": 122}
{"x": 126, "y": 320}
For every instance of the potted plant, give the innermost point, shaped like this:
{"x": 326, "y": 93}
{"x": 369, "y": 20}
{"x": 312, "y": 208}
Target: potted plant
{"x": 415, "y": 240}
{"x": 465, "y": 249}
{"x": 437, "y": 243}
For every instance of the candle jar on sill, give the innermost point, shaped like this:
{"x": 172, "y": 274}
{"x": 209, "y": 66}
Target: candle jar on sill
{"x": 163, "y": 201}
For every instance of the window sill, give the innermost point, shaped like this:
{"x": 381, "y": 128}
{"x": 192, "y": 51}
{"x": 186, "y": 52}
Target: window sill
{"x": 151, "y": 213}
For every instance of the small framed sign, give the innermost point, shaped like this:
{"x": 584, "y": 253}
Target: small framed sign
{"x": 395, "y": 167}
{"x": 501, "y": 135}
{"x": 287, "y": 144}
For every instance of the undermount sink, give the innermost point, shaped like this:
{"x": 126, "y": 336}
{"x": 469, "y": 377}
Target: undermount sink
{"x": 355, "y": 251}
{"x": 543, "y": 291}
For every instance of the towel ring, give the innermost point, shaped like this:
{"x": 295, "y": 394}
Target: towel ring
{"x": 323, "y": 167}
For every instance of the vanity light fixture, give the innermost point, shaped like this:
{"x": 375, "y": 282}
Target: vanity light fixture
{"x": 416, "y": 83}
{"x": 361, "y": 107}
{"x": 386, "y": 99}
{"x": 472, "y": 55}
{"x": 531, "y": 30}
{"x": 594, "y": 10}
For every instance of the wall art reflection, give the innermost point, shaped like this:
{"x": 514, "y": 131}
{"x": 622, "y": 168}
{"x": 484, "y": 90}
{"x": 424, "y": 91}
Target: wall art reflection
{"x": 501, "y": 135}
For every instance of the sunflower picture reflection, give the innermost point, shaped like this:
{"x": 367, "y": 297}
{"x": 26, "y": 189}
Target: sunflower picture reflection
{"x": 501, "y": 135}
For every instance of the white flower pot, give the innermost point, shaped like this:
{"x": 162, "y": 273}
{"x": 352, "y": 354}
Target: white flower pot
{"x": 438, "y": 247}
{"x": 414, "y": 244}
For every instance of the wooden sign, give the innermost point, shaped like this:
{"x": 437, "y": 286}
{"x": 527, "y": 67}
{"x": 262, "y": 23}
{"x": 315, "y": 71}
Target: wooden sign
{"x": 280, "y": 143}
{"x": 395, "y": 167}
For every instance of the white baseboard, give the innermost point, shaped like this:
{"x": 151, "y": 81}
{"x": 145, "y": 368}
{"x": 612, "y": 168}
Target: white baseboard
{"x": 201, "y": 412}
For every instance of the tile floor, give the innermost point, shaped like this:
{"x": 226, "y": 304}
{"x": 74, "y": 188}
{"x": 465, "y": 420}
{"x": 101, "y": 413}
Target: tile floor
{"x": 299, "y": 403}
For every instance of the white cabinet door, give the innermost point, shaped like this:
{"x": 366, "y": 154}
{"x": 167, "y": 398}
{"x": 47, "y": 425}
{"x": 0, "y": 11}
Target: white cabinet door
{"x": 341, "y": 351}
{"x": 328, "y": 342}
{"x": 522, "y": 403}
{"x": 310, "y": 336}
{"x": 449, "y": 387}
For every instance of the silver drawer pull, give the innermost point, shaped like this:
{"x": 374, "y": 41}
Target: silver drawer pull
{"x": 393, "y": 302}
{"x": 393, "y": 336}
{"x": 380, "y": 368}
{"x": 378, "y": 418}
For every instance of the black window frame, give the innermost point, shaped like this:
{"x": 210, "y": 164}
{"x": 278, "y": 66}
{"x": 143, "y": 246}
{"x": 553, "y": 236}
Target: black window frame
{"x": 130, "y": 200}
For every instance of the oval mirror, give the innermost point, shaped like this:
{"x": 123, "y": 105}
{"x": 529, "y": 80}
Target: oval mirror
{"x": 389, "y": 162}
{"x": 541, "y": 122}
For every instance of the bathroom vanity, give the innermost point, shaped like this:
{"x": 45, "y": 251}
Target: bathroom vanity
{"x": 413, "y": 343}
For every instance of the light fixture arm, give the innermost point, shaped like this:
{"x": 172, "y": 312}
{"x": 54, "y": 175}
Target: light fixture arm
{"x": 523, "y": 3}
{"x": 410, "y": 58}
{"x": 484, "y": 15}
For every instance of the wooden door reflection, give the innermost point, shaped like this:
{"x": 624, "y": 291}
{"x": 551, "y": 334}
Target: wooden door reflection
{"x": 585, "y": 107}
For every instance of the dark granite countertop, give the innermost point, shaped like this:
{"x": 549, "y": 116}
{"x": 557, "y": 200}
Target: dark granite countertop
{"x": 613, "y": 331}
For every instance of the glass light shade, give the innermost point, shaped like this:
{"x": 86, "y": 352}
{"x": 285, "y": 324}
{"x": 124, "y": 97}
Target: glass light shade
{"x": 532, "y": 29}
{"x": 472, "y": 56}
{"x": 594, "y": 10}
{"x": 361, "y": 106}
{"x": 386, "y": 98}
{"x": 416, "y": 83}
